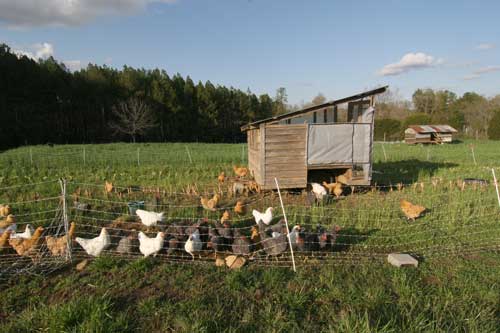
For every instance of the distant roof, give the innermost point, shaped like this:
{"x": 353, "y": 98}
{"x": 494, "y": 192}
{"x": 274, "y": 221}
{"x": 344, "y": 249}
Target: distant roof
{"x": 316, "y": 107}
{"x": 432, "y": 129}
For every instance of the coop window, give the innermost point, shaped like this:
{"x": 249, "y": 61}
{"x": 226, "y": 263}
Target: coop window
{"x": 325, "y": 120}
{"x": 314, "y": 117}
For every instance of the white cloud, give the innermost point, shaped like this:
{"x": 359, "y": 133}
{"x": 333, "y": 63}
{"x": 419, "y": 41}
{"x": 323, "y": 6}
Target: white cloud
{"x": 29, "y": 13}
{"x": 410, "y": 61}
{"x": 73, "y": 65}
{"x": 37, "y": 51}
{"x": 487, "y": 69}
{"x": 471, "y": 77}
{"x": 478, "y": 73}
{"x": 485, "y": 46}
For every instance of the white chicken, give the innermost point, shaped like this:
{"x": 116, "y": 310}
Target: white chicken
{"x": 266, "y": 217}
{"x": 319, "y": 191}
{"x": 149, "y": 219}
{"x": 293, "y": 235}
{"x": 193, "y": 244}
{"x": 95, "y": 246}
{"x": 150, "y": 245}
{"x": 28, "y": 232}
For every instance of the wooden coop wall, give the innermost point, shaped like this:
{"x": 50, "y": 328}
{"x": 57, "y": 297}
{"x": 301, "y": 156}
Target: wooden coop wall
{"x": 285, "y": 155}
{"x": 254, "y": 153}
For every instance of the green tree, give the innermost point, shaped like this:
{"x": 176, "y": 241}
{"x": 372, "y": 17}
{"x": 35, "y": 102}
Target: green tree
{"x": 494, "y": 127}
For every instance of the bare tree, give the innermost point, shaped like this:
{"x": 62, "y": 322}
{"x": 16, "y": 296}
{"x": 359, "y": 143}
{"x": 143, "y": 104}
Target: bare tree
{"x": 133, "y": 117}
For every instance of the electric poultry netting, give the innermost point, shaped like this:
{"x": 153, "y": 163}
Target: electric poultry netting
{"x": 53, "y": 225}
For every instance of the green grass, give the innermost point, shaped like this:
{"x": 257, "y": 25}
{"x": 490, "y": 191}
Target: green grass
{"x": 455, "y": 288}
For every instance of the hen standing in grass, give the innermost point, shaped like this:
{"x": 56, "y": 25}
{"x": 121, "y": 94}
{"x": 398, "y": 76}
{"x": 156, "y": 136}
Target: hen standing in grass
{"x": 266, "y": 217}
{"x": 8, "y": 223}
{"x": 4, "y": 210}
{"x": 410, "y": 210}
{"x": 94, "y": 246}
{"x": 193, "y": 244}
{"x": 149, "y": 219}
{"x": 4, "y": 240}
{"x": 319, "y": 191}
{"x": 210, "y": 204}
{"x": 26, "y": 247}
{"x": 239, "y": 208}
{"x": 150, "y": 246}
{"x": 59, "y": 246}
{"x": 241, "y": 244}
{"x": 240, "y": 171}
{"x": 28, "y": 232}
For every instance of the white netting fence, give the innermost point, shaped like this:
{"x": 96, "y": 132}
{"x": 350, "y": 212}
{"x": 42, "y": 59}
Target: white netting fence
{"x": 460, "y": 218}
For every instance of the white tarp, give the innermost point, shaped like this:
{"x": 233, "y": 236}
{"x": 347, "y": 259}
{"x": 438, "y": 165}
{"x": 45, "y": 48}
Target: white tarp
{"x": 342, "y": 143}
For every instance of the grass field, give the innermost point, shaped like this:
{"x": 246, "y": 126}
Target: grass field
{"x": 455, "y": 288}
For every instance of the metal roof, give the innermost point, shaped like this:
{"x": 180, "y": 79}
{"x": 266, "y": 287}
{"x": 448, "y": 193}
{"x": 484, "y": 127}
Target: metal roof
{"x": 432, "y": 129}
{"x": 316, "y": 107}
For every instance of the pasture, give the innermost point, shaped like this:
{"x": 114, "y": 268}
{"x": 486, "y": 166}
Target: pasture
{"x": 351, "y": 289}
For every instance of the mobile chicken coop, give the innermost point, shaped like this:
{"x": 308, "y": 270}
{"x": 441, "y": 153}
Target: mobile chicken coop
{"x": 321, "y": 142}
{"x": 429, "y": 134}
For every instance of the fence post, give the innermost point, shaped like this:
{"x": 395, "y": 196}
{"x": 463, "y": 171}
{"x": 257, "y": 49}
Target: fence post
{"x": 496, "y": 185}
{"x": 63, "y": 183}
{"x": 189, "y": 155}
{"x": 242, "y": 153}
{"x": 473, "y": 155}
{"x": 383, "y": 149}
{"x": 31, "y": 157}
{"x": 138, "y": 157}
{"x": 84, "y": 156}
{"x": 286, "y": 223}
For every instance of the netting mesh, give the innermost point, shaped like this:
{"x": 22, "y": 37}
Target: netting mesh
{"x": 353, "y": 228}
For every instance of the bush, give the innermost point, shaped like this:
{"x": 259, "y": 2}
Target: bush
{"x": 494, "y": 127}
{"x": 417, "y": 119}
{"x": 390, "y": 127}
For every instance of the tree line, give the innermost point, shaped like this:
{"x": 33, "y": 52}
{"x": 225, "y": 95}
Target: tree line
{"x": 43, "y": 102}
{"x": 473, "y": 115}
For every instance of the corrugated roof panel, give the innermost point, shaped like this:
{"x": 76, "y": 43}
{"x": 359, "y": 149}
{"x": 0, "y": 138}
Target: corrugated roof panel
{"x": 433, "y": 129}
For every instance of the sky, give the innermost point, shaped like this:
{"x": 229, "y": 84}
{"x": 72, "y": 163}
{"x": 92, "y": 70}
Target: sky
{"x": 337, "y": 48}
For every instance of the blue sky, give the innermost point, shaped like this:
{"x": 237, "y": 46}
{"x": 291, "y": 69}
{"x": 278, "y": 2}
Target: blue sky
{"x": 333, "y": 47}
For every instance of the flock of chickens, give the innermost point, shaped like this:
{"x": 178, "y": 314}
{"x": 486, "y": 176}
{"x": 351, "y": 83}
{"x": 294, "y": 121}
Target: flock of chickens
{"x": 198, "y": 239}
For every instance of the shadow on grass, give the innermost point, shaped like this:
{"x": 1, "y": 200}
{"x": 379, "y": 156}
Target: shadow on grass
{"x": 406, "y": 171}
{"x": 351, "y": 236}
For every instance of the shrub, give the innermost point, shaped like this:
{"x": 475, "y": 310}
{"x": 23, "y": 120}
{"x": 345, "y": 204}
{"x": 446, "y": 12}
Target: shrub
{"x": 494, "y": 126}
{"x": 390, "y": 127}
{"x": 417, "y": 119}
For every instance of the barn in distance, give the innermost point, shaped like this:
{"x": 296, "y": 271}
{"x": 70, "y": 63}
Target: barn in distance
{"x": 330, "y": 141}
{"x": 429, "y": 134}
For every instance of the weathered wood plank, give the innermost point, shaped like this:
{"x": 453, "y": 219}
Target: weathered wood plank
{"x": 285, "y": 138}
{"x": 287, "y": 145}
{"x": 282, "y": 167}
{"x": 296, "y": 153}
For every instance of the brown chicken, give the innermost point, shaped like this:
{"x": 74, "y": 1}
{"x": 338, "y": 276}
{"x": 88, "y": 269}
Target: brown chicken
{"x": 210, "y": 204}
{"x": 108, "y": 187}
{"x": 240, "y": 171}
{"x": 58, "y": 246}
{"x": 255, "y": 237}
{"x": 5, "y": 210}
{"x": 225, "y": 217}
{"x": 239, "y": 208}
{"x": 26, "y": 247}
{"x": 410, "y": 210}
{"x": 8, "y": 221}
{"x": 222, "y": 177}
{"x": 4, "y": 240}
{"x": 335, "y": 188}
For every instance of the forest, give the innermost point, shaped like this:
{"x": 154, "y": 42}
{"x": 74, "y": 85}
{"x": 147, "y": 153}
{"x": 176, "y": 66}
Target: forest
{"x": 42, "y": 102}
